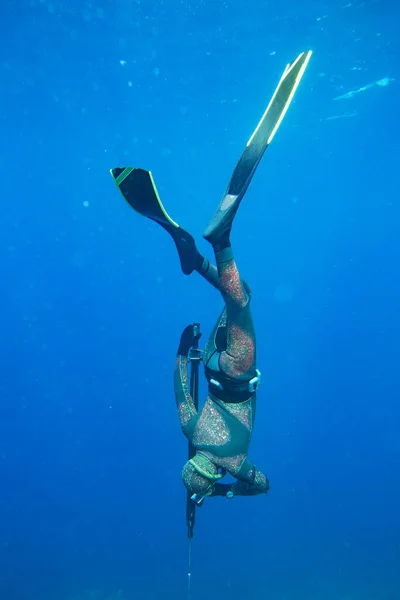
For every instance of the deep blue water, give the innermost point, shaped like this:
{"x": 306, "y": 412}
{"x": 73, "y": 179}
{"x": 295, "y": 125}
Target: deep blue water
{"x": 93, "y": 301}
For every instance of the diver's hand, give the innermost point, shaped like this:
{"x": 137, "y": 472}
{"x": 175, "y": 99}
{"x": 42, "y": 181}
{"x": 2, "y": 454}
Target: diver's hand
{"x": 189, "y": 338}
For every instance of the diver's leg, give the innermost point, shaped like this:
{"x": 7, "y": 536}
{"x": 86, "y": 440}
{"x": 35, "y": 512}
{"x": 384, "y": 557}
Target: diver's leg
{"x": 208, "y": 271}
{"x": 239, "y": 359}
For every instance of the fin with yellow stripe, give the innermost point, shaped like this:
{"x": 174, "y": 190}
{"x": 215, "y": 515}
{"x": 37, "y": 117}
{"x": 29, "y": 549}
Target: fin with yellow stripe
{"x": 139, "y": 190}
{"x": 256, "y": 146}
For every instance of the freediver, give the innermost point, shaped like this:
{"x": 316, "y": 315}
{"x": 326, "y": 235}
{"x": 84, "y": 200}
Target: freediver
{"x": 221, "y": 430}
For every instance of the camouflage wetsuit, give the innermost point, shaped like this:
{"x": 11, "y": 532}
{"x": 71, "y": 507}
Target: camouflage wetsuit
{"x": 221, "y": 431}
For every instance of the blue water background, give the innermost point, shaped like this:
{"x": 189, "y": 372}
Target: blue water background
{"x": 93, "y": 301}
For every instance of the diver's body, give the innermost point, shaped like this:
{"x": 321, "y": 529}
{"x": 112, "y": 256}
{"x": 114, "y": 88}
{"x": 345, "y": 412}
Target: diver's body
{"x": 221, "y": 431}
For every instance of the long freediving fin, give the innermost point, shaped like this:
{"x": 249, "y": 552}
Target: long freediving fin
{"x": 256, "y": 146}
{"x": 138, "y": 188}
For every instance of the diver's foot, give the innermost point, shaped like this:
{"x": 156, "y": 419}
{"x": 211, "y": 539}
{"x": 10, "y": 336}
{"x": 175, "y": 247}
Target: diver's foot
{"x": 219, "y": 228}
{"x": 190, "y": 257}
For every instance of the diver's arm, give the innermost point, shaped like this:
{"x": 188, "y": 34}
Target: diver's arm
{"x": 241, "y": 488}
{"x": 250, "y": 481}
{"x": 259, "y": 486}
{"x": 221, "y": 489}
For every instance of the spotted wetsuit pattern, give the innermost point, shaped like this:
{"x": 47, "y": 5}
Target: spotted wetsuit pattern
{"x": 238, "y": 361}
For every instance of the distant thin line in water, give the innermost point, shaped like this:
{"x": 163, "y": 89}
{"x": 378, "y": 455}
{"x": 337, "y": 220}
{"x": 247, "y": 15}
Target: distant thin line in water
{"x": 344, "y": 116}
